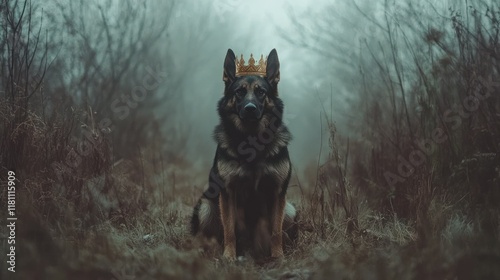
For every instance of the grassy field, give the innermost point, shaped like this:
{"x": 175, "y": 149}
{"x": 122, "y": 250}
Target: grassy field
{"x": 122, "y": 227}
{"x": 153, "y": 242}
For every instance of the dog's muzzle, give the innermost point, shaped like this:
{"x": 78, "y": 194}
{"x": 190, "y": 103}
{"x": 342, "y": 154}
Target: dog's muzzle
{"x": 250, "y": 112}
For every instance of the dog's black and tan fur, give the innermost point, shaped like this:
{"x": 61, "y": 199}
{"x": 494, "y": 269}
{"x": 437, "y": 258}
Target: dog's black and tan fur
{"x": 245, "y": 206}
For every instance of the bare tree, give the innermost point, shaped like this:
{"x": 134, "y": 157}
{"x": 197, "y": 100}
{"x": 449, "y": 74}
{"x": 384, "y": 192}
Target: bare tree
{"x": 23, "y": 62}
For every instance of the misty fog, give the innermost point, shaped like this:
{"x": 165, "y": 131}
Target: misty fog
{"x": 201, "y": 35}
{"x": 320, "y": 48}
{"x": 248, "y": 27}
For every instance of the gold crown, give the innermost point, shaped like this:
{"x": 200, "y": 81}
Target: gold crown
{"x": 251, "y": 68}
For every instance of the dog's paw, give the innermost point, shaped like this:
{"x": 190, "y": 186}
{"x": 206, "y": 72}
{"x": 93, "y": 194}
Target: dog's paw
{"x": 229, "y": 255}
{"x": 277, "y": 254}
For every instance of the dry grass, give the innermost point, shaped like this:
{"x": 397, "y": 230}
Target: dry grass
{"x": 140, "y": 232}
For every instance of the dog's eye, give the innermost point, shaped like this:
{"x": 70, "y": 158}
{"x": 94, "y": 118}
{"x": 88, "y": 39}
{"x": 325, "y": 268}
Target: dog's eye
{"x": 241, "y": 92}
{"x": 261, "y": 92}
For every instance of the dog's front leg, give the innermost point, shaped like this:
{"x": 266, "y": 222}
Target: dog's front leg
{"x": 277, "y": 215}
{"x": 228, "y": 217}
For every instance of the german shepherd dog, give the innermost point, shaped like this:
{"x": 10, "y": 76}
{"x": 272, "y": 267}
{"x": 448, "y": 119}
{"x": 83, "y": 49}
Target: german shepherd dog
{"x": 244, "y": 207}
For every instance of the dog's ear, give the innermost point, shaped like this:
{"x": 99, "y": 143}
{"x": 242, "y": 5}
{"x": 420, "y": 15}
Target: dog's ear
{"x": 229, "y": 74}
{"x": 273, "y": 68}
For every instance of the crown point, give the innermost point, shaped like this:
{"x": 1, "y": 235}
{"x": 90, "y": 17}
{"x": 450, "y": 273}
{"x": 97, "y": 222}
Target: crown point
{"x": 262, "y": 63}
{"x": 251, "y": 68}
{"x": 251, "y": 60}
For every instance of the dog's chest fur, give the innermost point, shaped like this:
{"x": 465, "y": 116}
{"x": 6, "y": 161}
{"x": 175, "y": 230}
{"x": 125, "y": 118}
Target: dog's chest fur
{"x": 269, "y": 166}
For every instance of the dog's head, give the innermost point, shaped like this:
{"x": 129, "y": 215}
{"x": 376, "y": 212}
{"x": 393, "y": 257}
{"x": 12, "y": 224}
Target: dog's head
{"x": 248, "y": 97}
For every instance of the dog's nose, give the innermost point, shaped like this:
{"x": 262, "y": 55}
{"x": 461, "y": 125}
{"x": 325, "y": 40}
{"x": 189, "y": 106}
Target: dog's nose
{"x": 250, "y": 107}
